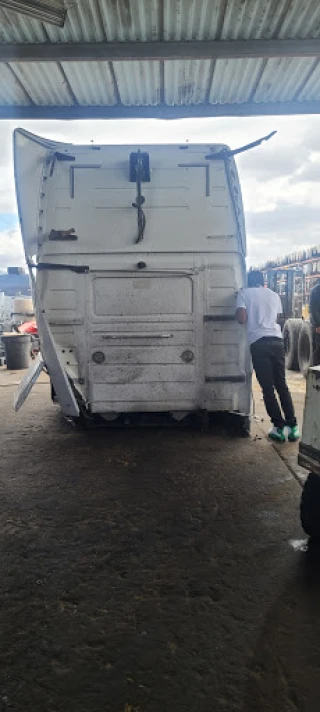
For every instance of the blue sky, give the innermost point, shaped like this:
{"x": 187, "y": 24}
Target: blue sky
{"x": 8, "y": 221}
{"x": 279, "y": 180}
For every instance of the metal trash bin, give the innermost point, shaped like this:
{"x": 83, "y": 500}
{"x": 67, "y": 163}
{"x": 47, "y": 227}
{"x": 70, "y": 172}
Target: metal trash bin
{"x": 17, "y": 349}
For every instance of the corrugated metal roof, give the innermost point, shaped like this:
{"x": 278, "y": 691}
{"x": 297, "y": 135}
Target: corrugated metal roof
{"x": 44, "y": 82}
{"x": 131, "y": 20}
{"x": 179, "y": 82}
{"x": 20, "y": 28}
{"x": 138, "y": 83}
{"x": 186, "y": 82}
{"x": 281, "y": 78}
{"x": 141, "y": 20}
{"x": 191, "y": 20}
{"x": 311, "y": 90}
{"x": 234, "y": 80}
{"x": 252, "y": 20}
{"x": 91, "y": 82}
{"x": 301, "y": 20}
{"x": 98, "y": 20}
{"x": 10, "y": 90}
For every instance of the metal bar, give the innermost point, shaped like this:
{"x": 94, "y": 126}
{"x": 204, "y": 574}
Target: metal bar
{"x": 28, "y": 381}
{"x": 146, "y": 51}
{"x": 241, "y": 378}
{"x": 39, "y": 11}
{"x": 219, "y": 317}
{"x": 132, "y": 335}
{"x": 65, "y": 322}
{"x": 118, "y": 111}
{"x": 78, "y": 166}
{"x": 67, "y": 84}
{"x": 161, "y": 24}
{"x": 290, "y": 292}
{"x": 310, "y": 452}
{"x": 226, "y": 152}
{"x": 199, "y": 165}
{"x": 308, "y": 463}
{"x": 78, "y": 269}
{"x": 58, "y": 375}
{"x": 222, "y": 15}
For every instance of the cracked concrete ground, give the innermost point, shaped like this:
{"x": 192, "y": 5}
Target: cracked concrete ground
{"x": 152, "y": 570}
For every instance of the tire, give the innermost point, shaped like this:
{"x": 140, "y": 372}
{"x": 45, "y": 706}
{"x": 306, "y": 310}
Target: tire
{"x": 291, "y": 332}
{"x": 310, "y": 506}
{"x": 203, "y": 420}
{"x": 240, "y": 424}
{"x": 305, "y": 348}
{"x": 316, "y": 351}
{"x": 245, "y": 426}
{"x": 53, "y": 394}
{"x": 80, "y": 423}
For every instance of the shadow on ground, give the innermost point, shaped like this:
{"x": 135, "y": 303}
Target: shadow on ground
{"x": 284, "y": 672}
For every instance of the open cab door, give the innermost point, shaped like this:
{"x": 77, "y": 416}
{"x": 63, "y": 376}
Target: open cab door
{"x": 33, "y": 157}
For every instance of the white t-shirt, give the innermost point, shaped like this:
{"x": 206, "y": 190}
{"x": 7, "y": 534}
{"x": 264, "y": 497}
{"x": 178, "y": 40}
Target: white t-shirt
{"x": 262, "y": 307}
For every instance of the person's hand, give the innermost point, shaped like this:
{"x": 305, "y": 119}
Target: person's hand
{"x": 318, "y": 330}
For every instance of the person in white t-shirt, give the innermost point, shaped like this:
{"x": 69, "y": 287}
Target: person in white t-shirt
{"x": 259, "y": 309}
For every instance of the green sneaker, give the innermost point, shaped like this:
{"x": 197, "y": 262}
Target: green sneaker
{"x": 293, "y": 434}
{"x": 277, "y": 434}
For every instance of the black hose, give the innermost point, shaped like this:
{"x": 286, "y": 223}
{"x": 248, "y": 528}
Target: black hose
{"x": 139, "y": 202}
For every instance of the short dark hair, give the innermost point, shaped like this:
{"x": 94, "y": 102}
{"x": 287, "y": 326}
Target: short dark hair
{"x": 255, "y": 278}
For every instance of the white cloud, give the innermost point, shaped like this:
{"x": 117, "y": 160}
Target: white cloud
{"x": 11, "y": 252}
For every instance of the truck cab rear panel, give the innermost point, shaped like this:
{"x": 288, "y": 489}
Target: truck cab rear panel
{"x": 142, "y": 326}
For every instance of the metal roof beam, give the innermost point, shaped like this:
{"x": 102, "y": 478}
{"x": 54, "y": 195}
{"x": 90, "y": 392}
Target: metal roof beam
{"x": 122, "y": 51}
{"x": 158, "y": 112}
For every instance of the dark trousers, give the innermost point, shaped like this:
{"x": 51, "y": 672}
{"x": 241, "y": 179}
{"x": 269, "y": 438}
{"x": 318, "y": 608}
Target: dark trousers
{"x": 316, "y": 353}
{"x": 268, "y": 358}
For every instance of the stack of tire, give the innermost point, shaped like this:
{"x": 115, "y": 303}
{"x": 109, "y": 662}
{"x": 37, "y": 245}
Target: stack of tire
{"x": 299, "y": 344}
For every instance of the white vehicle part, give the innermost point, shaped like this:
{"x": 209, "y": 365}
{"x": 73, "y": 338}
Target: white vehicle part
{"x": 27, "y": 382}
{"x": 59, "y": 378}
{"x": 142, "y": 326}
{"x": 309, "y": 448}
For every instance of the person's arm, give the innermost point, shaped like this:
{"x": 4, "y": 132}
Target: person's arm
{"x": 241, "y": 312}
{"x": 241, "y": 315}
{"x": 314, "y": 306}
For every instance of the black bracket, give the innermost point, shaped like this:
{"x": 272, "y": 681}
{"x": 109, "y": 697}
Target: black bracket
{"x": 57, "y": 156}
{"x": 227, "y": 153}
{"x": 199, "y": 165}
{"x": 63, "y": 235}
{"x": 79, "y": 166}
{"x": 79, "y": 269}
{"x": 139, "y": 159}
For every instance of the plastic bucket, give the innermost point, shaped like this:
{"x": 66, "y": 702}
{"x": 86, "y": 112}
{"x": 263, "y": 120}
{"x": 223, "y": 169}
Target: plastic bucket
{"x": 17, "y": 349}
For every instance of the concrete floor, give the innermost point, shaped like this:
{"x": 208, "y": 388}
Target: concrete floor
{"x": 148, "y": 571}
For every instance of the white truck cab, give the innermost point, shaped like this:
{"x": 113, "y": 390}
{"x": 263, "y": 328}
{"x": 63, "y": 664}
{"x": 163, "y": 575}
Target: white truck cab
{"x": 136, "y": 254}
{"x": 309, "y": 456}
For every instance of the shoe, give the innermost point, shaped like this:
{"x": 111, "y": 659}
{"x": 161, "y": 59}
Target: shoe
{"x": 293, "y": 434}
{"x": 277, "y": 434}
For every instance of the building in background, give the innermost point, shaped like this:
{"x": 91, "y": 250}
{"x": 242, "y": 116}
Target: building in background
{"x": 14, "y": 282}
